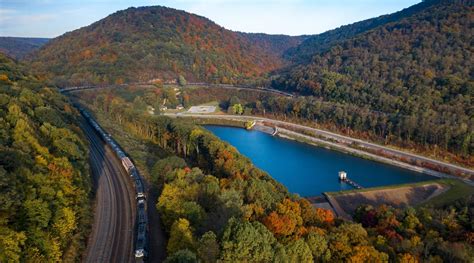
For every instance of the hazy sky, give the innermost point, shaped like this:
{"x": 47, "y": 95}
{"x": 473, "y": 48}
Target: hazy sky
{"x": 51, "y": 18}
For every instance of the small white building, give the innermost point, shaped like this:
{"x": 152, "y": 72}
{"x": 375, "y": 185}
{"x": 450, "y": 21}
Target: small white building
{"x": 342, "y": 175}
{"x": 179, "y": 107}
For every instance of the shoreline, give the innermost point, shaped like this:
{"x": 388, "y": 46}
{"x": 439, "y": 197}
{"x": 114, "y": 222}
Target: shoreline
{"x": 290, "y": 135}
{"x": 302, "y": 138}
{"x": 326, "y": 142}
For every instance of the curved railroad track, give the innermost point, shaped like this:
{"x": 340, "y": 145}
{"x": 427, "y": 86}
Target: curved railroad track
{"x": 112, "y": 235}
{"x": 202, "y": 85}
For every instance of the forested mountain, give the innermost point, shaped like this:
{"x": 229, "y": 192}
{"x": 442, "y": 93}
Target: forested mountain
{"x": 44, "y": 177}
{"x": 322, "y": 42}
{"x": 140, "y": 44}
{"x": 19, "y": 47}
{"x": 411, "y": 79}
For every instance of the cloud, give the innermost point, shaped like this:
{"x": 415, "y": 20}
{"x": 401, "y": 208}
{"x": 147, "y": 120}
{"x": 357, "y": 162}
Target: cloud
{"x": 6, "y": 14}
{"x": 13, "y": 22}
{"x": 12, "y": 19}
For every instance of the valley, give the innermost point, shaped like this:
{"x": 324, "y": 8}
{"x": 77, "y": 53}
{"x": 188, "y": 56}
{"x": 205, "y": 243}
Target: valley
{"x": 156, "y": 134}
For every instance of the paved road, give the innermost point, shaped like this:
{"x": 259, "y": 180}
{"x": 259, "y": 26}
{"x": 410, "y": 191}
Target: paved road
{"x": 331, "y": 135}
{"x": 112, "y": 234}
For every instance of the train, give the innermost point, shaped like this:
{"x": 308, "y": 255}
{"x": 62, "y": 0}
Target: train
{"x": 141, "y": 234}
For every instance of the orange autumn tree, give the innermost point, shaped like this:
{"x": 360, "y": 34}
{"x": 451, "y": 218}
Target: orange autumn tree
{"x": 286, "y": 220}
{"x": 315, "y": 216}
{"x": 362, "y": 254}
{"x": 325, "y": 215}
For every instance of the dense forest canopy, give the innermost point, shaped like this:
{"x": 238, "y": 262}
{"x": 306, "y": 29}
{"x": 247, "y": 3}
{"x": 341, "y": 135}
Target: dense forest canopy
{"x": 324, "y": 41}
{"x": 44, "y": 176}
{"x": 141, "y": 44}
{"x": 415, "y": 73}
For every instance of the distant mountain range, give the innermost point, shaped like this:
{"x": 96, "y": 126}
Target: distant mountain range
{"x": 19, "y": 47}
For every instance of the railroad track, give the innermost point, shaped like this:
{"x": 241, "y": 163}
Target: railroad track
{"x": 112, "y": 235}
{"x": 202, "y": 85}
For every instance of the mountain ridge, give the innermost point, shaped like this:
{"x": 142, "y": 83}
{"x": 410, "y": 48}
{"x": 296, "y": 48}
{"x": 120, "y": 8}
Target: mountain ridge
{"x": 20, "y": 47}
{"x": 324, "y": 41}
{"x": 139, "y": 44}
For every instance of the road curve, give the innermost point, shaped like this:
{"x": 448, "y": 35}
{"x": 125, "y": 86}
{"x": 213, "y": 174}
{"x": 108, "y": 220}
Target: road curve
{"x": 330, "y": 135}
{"x": 203, "y": 85}
{"x": 112, "y": 235}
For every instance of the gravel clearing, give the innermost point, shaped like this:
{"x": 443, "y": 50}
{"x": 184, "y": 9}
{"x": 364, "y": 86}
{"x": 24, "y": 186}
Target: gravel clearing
{"x": 202, "y": 109}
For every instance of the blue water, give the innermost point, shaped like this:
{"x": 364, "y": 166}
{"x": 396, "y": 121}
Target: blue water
{"x": 308, "y": 170}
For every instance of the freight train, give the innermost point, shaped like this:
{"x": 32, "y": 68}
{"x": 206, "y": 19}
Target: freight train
{"x": 141, "y": 222}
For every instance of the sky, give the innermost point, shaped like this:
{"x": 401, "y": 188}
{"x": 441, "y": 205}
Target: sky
{"x": 52, "y": 18}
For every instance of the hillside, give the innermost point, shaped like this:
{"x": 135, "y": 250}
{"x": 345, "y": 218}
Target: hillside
{"x": 322, "y": 42}
{"x": 44, "y": 176}
{"x": 411, "y": 79}
{"x": 19, "y": 47}
{"x": 275, "y": 44}
{"x": 140, "y": 44}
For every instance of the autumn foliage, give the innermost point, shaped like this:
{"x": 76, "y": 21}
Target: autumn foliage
{"x": 146, "y": 43}
{"x": 44, "y": 177}
{"x": 242, "y": 213}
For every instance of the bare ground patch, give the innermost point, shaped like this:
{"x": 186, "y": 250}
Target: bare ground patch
{"x": 396, "y": 197}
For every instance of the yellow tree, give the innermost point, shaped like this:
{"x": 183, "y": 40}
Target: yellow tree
{"x": 181, "y": 237}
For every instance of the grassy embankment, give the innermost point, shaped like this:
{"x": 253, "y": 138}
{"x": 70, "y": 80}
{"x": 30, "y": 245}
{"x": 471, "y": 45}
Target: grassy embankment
{"x": 323, "y": 145}
{"x": 219, "y": 122}
{"x": 457, "y": 190}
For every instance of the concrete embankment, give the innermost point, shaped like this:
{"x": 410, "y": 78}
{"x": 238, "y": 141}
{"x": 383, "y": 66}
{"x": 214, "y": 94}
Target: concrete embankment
{"x": 263, "y": 128}
{"x": 354, "y": 146}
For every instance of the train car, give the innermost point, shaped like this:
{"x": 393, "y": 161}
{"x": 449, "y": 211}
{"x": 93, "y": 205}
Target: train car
{"x": 140, "y": 193}
{"x": 120, "y": 154}
{"x": 141, "y": 243}
{"x": 142, "y": 217}
{"x": 127, "y": 164}
{"x": 134, "y": 174}
{"x": 142, "y": 220}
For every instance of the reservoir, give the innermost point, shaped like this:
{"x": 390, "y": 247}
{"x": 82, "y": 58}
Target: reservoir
{"x": 309, "y": 170}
